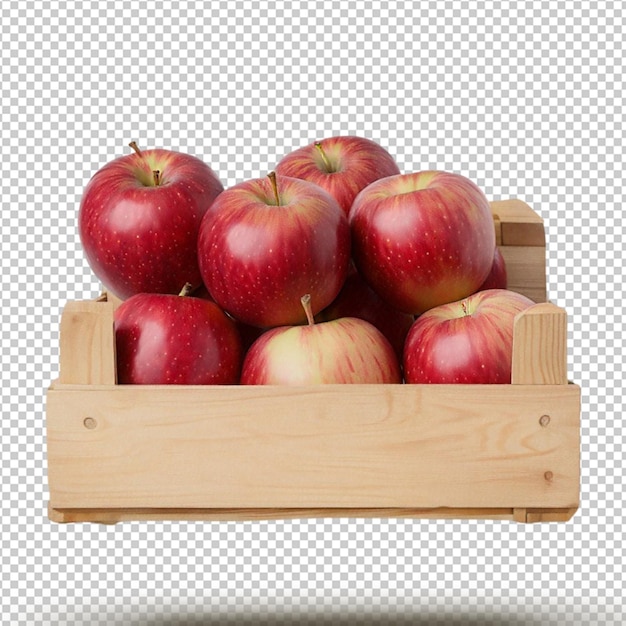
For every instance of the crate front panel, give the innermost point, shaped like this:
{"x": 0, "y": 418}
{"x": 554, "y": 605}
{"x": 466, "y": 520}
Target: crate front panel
{"x": 342, "y": 446}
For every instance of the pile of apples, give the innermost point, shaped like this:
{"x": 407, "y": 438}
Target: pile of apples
{"x": 334, "y": 268}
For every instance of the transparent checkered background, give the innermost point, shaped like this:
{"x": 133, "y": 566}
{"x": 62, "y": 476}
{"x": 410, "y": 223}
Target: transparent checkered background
{"x": 525, "y": 98}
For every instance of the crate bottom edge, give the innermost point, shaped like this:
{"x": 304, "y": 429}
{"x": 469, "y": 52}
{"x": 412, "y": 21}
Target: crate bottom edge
{"x": 116, "y": 515}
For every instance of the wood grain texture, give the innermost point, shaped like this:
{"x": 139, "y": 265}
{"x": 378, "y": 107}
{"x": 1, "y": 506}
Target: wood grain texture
{"x": 526, "y": 270}
{"x": 540, "y": 346}
{"x": 87, "y": 343}
{"x": 363, "y": 446}
{"x": 519, "y": 225}
{"x": 116, "y": 515}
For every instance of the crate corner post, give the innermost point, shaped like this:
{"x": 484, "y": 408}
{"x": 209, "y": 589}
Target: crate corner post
{"x": 87, "y": 343}
{"x": 540, "y": 360}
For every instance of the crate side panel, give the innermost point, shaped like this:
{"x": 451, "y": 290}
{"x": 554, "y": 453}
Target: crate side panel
{"x": 414, "y": 446}
{"x": 518, "y": 224}
{"x": 526, "y": 270}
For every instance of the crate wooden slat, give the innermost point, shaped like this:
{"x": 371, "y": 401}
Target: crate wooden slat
{"x": 126, "y": 452}
{"x": 517, "y": 225}
{"x": 87, "y": 343}
{"x": 247, "y": 451}
{"x": 540, "y": 347}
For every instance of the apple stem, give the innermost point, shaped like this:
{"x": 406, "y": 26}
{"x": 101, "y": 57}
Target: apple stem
{"x": 306, "y": 304}
{"x": 272, "y": 177}
{"x": 318, "y": 145}
{"x": 156, "y": 174}
{"x": 464, "y": 307}
{"x": 186, "y": 290}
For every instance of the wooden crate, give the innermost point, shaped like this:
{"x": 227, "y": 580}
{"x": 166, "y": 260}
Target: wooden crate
{"x": 133, "y": 452}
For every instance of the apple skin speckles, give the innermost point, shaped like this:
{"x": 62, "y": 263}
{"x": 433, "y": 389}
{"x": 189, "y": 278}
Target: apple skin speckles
{"x": 348, "y": 165}
{"x": 139, "y": 237}
{"x": 257, "y": 259}
{"x": 422, "y": 239}
{"x": 468, "y": 341}
{"x": 342, "y": 351}
{"x": 167, "y": 339}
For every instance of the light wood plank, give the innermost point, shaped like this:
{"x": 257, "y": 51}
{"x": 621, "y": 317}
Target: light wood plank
{"x": 519, "y": 224}
{"x": 87, "y": 343}
{"x": 497, "y": 226}
{"x": 515, "y": 211}
{"x": 114, "y": 516}
{"x": 550, "y": 515}
{"x": 540, "y": 346}
{"x": 363, "y": 446}
{"x": 526, "y": 270}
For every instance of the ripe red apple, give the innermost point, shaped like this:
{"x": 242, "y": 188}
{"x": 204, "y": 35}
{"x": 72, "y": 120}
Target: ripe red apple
{"x": 265, "y": 242}
{"x": 139, "y": 218}
{"x": 175, "y": 339}
{"x": 497, "y": 277}
{"x": 248, "y": 334}
{"x": 341, "y": 165}
{"x": 469, "y": 341}
{"x": 422, "y": 239}
{"x": 358, "y": 299}
{"x": 346, "y": 350}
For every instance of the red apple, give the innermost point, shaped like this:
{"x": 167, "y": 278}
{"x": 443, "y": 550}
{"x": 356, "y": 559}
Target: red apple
{"x": 358, "y": 299}
{"x": 346, "y": 350}
{"x": 175, "y": 339}
{"x": 248, "y": 334}
{"x": 422, "y": 239}
{"x": 341, "y": 165}
{"x": 497, "y": 277}
{"x": 139, "y": 218}
{"x": 265, "y": 242}
{"x": 469, "y": 341}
